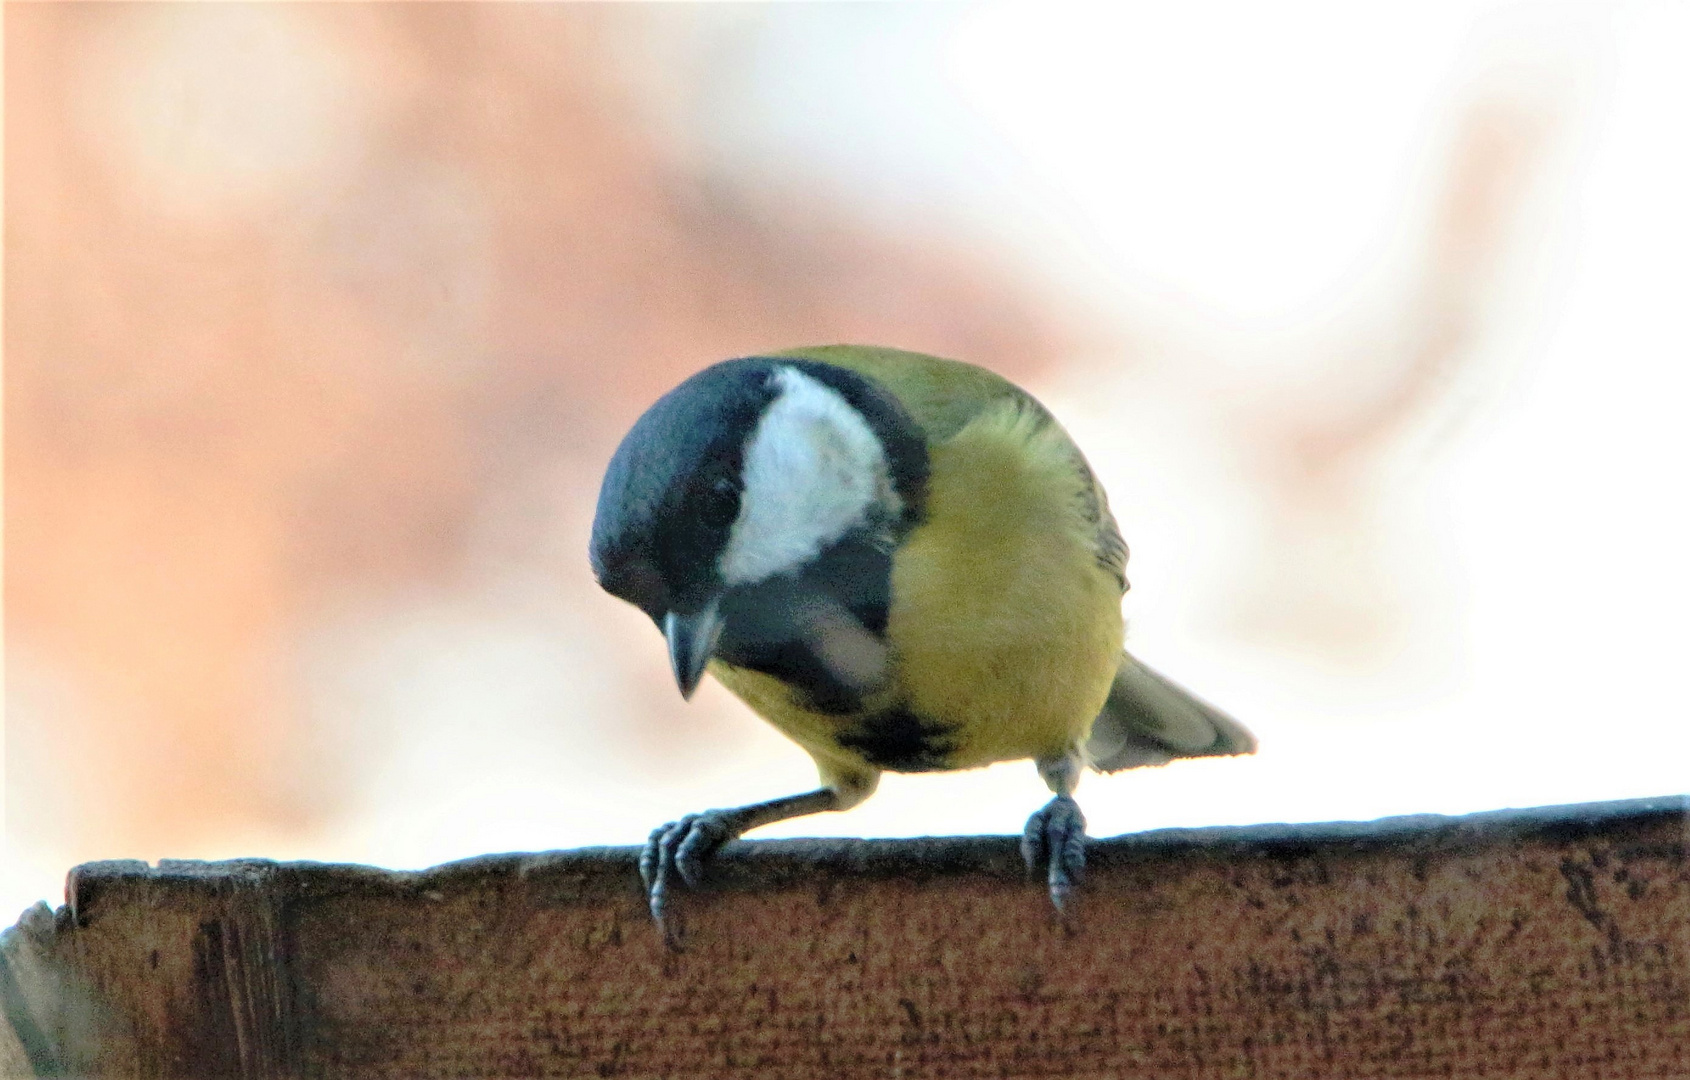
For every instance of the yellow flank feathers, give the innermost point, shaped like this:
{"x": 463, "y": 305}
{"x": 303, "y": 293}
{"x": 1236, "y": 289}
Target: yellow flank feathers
{"x": 1002, "y": 620}
{"x": 773, "y": 700}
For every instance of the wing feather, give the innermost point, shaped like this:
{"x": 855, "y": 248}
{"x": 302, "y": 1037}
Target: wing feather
{"x": 1150, "y": 720}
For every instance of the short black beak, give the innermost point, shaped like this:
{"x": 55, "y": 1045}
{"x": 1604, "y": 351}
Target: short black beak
{"x": 692, "y": 640}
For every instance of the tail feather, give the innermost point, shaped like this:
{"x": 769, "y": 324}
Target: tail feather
{"x": 1149, "y": 720}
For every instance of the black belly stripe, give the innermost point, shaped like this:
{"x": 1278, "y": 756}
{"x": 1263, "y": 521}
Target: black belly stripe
{"x": 899, "y": 740}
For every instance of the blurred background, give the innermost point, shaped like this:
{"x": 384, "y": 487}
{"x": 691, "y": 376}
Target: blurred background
{"x": 321, "y": 323}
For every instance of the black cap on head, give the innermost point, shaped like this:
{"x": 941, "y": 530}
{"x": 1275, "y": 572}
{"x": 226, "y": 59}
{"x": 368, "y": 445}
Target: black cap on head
{"x": 672, "y": 490}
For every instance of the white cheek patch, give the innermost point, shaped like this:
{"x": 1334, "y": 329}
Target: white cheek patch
{"x": 813, "y": 468}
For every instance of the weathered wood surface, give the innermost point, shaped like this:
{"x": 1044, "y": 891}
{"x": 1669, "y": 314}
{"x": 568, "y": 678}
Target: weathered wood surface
{"x": 1551, "y": 943}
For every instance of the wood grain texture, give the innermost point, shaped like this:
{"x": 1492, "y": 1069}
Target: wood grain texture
{"x": 1551, "y": 943}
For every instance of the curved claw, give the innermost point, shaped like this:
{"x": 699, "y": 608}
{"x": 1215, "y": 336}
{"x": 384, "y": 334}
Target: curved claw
{"x": 680, "y": 847}
{"x": 649, "y": 856}
{"x": 1056, "y": 836}
{"x": 705, "y": 834}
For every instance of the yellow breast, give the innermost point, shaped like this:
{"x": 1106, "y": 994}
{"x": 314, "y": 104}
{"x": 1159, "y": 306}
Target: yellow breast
{"x": 1004, "y": 628}
{"x": 1003, "y": 622}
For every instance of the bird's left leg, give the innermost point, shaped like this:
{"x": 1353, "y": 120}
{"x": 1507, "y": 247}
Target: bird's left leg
{"x": 682, "y": 847}
{"x": 1056, "y": 834}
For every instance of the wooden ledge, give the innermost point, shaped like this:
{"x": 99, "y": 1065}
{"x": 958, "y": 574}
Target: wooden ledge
{"x": 1552, "y": 942}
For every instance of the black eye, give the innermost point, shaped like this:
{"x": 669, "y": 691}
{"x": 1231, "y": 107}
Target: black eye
{"x": 721, "y": 504}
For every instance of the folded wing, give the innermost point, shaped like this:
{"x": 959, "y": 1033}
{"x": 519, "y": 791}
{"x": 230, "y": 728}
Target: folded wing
{"x": 1149, "y": 720}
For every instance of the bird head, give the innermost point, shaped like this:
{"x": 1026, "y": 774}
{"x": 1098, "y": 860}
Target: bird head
{"x": 748, "y": 473}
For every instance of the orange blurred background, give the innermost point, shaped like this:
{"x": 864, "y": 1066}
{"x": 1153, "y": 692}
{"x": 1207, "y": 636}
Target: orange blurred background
{"x": 321, "y": 322}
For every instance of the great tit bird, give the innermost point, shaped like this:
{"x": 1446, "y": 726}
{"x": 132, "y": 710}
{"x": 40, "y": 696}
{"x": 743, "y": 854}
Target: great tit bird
{"x": 902, "y": 563}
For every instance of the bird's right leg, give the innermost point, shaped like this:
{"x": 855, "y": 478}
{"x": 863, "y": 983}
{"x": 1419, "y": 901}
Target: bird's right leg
{"x": 1056, "y": 833}
{"x": 682, "y": 847}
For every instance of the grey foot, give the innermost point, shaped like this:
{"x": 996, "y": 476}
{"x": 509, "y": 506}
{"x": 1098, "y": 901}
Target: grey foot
{"x": 1056, "y": 837}
{"x": 680, "y": 847}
